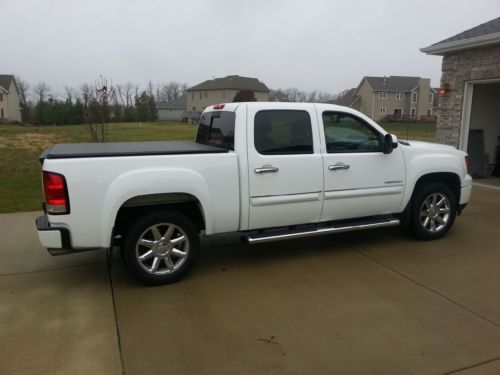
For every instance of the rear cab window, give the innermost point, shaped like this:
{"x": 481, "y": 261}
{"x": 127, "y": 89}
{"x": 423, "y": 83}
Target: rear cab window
{"x": 216, "y": 128}
{"x": 283, "y": 132}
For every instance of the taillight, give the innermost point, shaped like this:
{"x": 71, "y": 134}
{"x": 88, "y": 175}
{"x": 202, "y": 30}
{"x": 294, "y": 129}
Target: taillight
{"x": 219, "y": 106}
{"x": 56, "y": 193}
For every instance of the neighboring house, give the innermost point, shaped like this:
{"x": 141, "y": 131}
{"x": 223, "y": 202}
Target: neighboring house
{"x": 10, "y": 110}
{"x": 223, "y": 90}
{"x": 394, "y": 96}
{"x": 469, "y": 110}
{"x": 173, "y": 110}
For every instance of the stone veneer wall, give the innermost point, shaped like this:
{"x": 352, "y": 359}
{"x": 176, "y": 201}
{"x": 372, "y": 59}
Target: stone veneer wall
{"x": 459, "y": 67}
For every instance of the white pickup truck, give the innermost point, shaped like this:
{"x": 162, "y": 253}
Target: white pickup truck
{"x": 268, "y": 170}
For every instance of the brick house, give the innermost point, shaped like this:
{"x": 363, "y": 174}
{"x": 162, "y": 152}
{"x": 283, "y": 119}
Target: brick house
{"x": 10, "y": 110}
{"x": 469, "y": 102}
{"x": 394, "y": 96}
{"x": 223, "y": 90}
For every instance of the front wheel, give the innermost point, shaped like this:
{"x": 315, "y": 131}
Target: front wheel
{"x": 160, "y": 248}
{"x": 433, "y": 211}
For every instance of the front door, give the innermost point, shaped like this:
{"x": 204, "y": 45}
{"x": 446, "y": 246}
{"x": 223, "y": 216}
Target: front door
{"x": 285, "y": 167}
{"x": 360, "y": 180}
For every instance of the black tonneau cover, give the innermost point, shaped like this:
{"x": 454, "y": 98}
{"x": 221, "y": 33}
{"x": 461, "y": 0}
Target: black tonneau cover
{"x": 101, "y": 150}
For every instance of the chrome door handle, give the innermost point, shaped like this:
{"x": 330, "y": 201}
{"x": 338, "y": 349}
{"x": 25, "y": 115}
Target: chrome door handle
{"x": 338, "y": 166}
{"x": 266, "y": 169}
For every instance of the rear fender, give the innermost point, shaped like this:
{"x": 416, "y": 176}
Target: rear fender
{"x": 154, "y": 181}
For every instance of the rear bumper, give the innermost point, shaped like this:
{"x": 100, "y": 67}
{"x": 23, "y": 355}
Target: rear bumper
{"x": 57, "y": 240}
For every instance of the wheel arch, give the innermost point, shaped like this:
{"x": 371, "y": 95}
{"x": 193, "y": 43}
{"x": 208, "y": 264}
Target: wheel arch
{"x": 450, "y": 179}
{"x": 184, "y": 203}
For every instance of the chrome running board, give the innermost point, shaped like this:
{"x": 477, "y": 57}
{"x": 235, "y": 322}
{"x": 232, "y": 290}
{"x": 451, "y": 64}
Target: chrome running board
{"x": 319, "y": 230}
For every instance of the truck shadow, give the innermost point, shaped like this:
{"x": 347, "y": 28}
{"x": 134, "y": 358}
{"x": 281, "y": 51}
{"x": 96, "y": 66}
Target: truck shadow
{"x": 225, "y": 252}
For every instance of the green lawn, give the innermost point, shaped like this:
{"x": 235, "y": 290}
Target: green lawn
{"x": 421, "y": 132}
{"x": 20, "y": 146}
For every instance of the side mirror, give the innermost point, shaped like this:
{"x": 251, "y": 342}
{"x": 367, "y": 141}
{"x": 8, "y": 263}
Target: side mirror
{"x": 390, "y": 143}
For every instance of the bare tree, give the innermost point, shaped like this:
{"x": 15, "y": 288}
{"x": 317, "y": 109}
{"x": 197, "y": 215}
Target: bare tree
{"x": 172, "y": 90}
{"x": 86, "y": 93}
{"x": 23, "y": 88}
{"x": 42, "y": 91}
{"x": 97, "y": 108}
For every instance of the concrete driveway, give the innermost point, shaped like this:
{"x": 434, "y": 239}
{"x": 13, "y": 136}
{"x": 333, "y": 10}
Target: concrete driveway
{"x": 375, "y": 302}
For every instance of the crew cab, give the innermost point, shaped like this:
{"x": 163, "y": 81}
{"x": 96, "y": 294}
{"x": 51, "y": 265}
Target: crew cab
{"x": 270, "y": 171}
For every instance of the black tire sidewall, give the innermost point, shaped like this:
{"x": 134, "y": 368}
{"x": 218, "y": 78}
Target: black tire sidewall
{"x": 138, "y": 228}
{"x": 421, "y": 194}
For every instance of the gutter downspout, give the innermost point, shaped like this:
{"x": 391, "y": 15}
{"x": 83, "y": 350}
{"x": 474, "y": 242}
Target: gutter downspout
{"x": 373, "y": 103}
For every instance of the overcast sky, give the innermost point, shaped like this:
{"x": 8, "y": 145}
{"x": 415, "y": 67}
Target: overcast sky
{"x": 317, "y": 44}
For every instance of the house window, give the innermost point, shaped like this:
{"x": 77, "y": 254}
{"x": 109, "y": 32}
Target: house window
{"x": 414, "y": 97}
{"x": 413, "y": 112}
{"x": 192, "y": 95}
{"x": 400, "y": 95}
{"x": 194, "y": 108}
{"x": 205, "y": 94}
{"x": 200, "y": 95}
{"x": 1, "y": 113}
{"x": 398, "y": 112}
{"x": 429, "y": 112}
{"x": 1, "y": 97}
{"x": 382, "y": 95}
{"x": 431, "y": 98}
{"x": 382, "y": 110}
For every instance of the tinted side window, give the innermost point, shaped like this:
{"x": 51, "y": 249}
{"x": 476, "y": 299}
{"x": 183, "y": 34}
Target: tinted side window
{"x": 347, "y": 133}
{"x": 216, "y": 129}
{"x": 283, "y": 132}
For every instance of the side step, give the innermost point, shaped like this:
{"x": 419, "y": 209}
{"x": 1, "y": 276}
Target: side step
{"x": 318, "y": 231}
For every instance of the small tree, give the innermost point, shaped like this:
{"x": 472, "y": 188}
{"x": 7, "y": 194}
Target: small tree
{"x": 97, "y": 109}
{"x": 244, "y": 96}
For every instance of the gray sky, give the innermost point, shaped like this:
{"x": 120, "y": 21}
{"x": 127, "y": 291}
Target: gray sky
{"x": 315, "y": 44}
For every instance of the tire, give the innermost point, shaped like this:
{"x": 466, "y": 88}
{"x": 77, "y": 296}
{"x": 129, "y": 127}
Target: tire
{"x": 161, "y": 247}
{"x": 433, "y": 211}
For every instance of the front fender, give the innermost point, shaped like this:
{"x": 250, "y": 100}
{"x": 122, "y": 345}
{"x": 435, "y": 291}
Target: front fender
{"x": 154, "y": 181}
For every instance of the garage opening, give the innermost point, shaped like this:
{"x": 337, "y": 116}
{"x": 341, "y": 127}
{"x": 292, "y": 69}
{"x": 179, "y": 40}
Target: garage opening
{"x": 483, "y": 138}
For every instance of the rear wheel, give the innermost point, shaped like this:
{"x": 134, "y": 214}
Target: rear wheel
{"x": 433, "y": 211}
{"x": 161, "y": 248}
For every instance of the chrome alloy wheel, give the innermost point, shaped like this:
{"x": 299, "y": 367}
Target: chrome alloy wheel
{"x": 435, "y": 212}
{"x": 162, "y": 248}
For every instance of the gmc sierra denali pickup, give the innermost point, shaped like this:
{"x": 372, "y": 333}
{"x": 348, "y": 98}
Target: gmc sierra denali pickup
{"x": 268, "y": 170}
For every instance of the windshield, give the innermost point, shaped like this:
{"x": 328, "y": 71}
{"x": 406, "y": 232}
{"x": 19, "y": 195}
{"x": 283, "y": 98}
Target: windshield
{"x": 216, "y": 129}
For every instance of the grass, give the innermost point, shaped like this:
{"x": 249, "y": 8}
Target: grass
{"x": 421, "y": 132}
{"x": 20, "y": 146}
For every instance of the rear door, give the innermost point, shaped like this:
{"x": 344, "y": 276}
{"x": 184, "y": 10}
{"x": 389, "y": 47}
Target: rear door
{"x": 285, "y": 165}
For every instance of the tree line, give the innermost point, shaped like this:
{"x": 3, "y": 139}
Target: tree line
{"x": 103, "y": 101}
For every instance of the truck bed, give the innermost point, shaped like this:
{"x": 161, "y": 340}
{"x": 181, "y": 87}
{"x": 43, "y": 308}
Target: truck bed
{"x": 100, "y": 150}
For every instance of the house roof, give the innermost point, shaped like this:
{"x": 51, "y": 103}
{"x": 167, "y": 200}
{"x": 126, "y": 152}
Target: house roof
{"x": 5, "y": 81}
{"x": 485, "y": 34}
{"x": 179, "y": 103}
{"x": 393, "y": 83}
{"x": 346, "y": 99}
{"x": 231, "y": 82}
